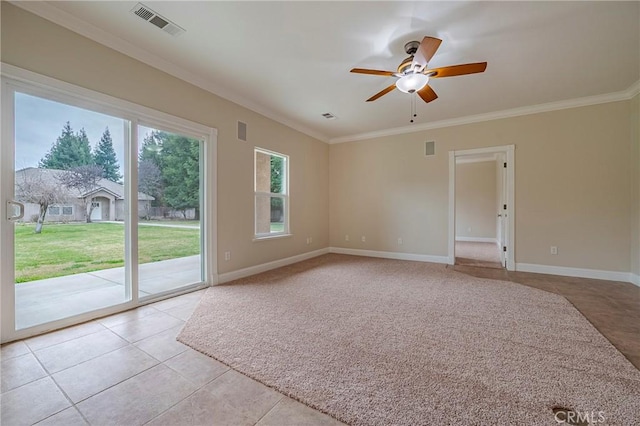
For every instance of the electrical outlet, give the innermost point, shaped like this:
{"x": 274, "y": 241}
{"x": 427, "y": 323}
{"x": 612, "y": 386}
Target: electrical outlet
{"x": 307, "y": 240}
{"x": 364, "y": 239}
{"x": 227, "y": 255}
{"x": 346, "y": 237}
{"x": 400, "y": 241}
{"x": 554, "y": 250}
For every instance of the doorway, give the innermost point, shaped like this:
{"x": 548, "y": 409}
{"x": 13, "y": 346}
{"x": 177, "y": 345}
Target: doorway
{"x": 96, "y": 213}
{"x": 481, "y": 207}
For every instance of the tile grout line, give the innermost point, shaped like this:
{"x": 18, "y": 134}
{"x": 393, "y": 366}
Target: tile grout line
{"x": 189, "y": 395}
{"x": 26, "y": 341}
{"x": 272, "y": 408}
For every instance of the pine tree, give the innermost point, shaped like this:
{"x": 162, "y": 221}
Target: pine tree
{"x": 69, "y": 150}
{"x": 83, "y": 149}
{"x": 152, "y": 147}
{"x": 105, "y": 157}
{"x": 180, "y": 166}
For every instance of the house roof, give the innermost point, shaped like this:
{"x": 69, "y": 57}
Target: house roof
{"x": 52, "y": 175}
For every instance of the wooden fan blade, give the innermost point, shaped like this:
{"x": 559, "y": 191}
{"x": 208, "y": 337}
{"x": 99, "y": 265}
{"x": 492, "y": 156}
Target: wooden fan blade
{"x": 427, "y": 94}
{"x": 372, "y": 72}
{"x": 454, "y": 70}
{"x": 382, "y": 93}
{"x": 427, "y": 49}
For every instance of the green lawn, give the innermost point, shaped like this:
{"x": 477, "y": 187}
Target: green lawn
{"x": 65, "y": 249}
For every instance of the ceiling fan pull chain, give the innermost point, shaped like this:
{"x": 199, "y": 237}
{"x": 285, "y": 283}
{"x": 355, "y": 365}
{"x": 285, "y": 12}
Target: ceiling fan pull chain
{"x": 413, "y": 107}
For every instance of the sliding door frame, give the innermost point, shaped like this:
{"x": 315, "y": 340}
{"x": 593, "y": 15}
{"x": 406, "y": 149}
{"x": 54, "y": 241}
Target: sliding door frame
{"x": 14, "y": 79}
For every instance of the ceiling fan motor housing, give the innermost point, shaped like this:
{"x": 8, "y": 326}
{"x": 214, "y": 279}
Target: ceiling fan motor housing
{"x": 412, "y": 47}
{"x": 405, "y": 65}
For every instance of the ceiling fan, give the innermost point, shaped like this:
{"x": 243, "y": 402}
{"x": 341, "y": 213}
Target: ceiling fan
{"x": 413, "y": 74}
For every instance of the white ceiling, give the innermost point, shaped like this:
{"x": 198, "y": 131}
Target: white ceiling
{"x": 291, "y": 60}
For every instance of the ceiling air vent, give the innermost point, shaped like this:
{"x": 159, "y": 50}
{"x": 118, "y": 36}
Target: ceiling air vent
{"x": 329, "y": 116}
{"x": 159, "y": 21}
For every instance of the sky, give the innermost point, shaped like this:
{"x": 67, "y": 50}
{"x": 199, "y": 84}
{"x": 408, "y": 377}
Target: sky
{"x": 39, "y": 123}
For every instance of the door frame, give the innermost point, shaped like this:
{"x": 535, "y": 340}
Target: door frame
{"x": 17, "y": 79}
{"x": 509, "y": 153}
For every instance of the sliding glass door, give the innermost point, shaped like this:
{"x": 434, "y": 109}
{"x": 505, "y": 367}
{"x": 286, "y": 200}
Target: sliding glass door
{"x": 69, "y": 244}
{"x": 101, "y": 213}
{"x": 169, "y": 211}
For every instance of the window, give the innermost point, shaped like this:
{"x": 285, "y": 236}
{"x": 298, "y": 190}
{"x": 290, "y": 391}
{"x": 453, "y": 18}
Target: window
{"x": 57, "y": 210}
{"x": 271, "y": 193}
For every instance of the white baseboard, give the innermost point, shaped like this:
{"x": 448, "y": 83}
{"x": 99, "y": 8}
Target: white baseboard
{"x": 477, "y": 239}
{"x": 576, "y": 272}
{"x": 523, "y": 267}
{"x": 252, "y": 270}
{"x": 390, "y": 255}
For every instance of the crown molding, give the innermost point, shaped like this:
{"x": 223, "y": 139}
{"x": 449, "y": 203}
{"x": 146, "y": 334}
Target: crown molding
{"x": 633, "y": 90}
{"x": 624, "y": 95}
{"x": 66, "y": 20}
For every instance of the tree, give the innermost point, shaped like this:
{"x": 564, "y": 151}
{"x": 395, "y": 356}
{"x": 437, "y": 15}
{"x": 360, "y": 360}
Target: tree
{"x": 69, "y": 150}
{"x": 105, "y": 157}
{"x": 83, "y": 179}
{"x": 152, "y": 147}
{"x": 34, "y": 188}
{"x": 277, "y": 173}
{"x": 180, "y": 166}
{"x": 150, "y": 181}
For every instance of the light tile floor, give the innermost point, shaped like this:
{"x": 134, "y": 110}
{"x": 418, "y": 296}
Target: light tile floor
{"x": 129, "y": 369}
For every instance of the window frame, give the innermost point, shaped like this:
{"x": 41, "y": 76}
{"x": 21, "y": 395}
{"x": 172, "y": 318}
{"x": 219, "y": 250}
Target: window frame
{"x": 284, "y": 196}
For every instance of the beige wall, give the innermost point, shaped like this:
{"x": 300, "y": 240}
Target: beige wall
{"x": 476, "y": 199}
{"x": 38, "y": 45}
{"x": 573, "y": 180}
{"x": 575, "y": 168}
{"x": 635, "y": 185}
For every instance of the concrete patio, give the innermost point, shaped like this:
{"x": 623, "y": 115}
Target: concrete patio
{"x": 41, "y": 301}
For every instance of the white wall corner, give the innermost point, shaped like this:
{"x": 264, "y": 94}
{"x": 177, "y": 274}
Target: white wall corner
{"x": 635, "y": 279}
{"x": 576, "y": 272}
{"x": 391, "y": 255}
{"x": 264, "y": 267}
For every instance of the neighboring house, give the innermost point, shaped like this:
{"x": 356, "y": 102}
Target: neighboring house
{"x": 107, "y": 196}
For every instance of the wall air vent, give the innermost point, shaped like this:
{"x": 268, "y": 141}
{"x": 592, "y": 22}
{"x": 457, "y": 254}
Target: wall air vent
{"x": 159, "y": 21}
{"x": 242, "y": 131}
{"x": 429, "y": 148}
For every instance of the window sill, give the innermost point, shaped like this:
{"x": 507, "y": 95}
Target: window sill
{"x": 271, "y": 237}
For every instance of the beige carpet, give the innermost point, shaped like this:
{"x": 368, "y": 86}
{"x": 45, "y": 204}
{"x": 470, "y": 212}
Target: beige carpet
{"x": 485, "y": 255}
{"x": 381, "y": 342}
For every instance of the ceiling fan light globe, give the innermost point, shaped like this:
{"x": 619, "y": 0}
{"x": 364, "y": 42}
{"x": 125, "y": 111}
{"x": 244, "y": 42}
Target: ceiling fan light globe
{"x": 412, "y": 82}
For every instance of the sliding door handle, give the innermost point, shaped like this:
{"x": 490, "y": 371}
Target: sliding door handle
{"x": 10, "y": 206}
